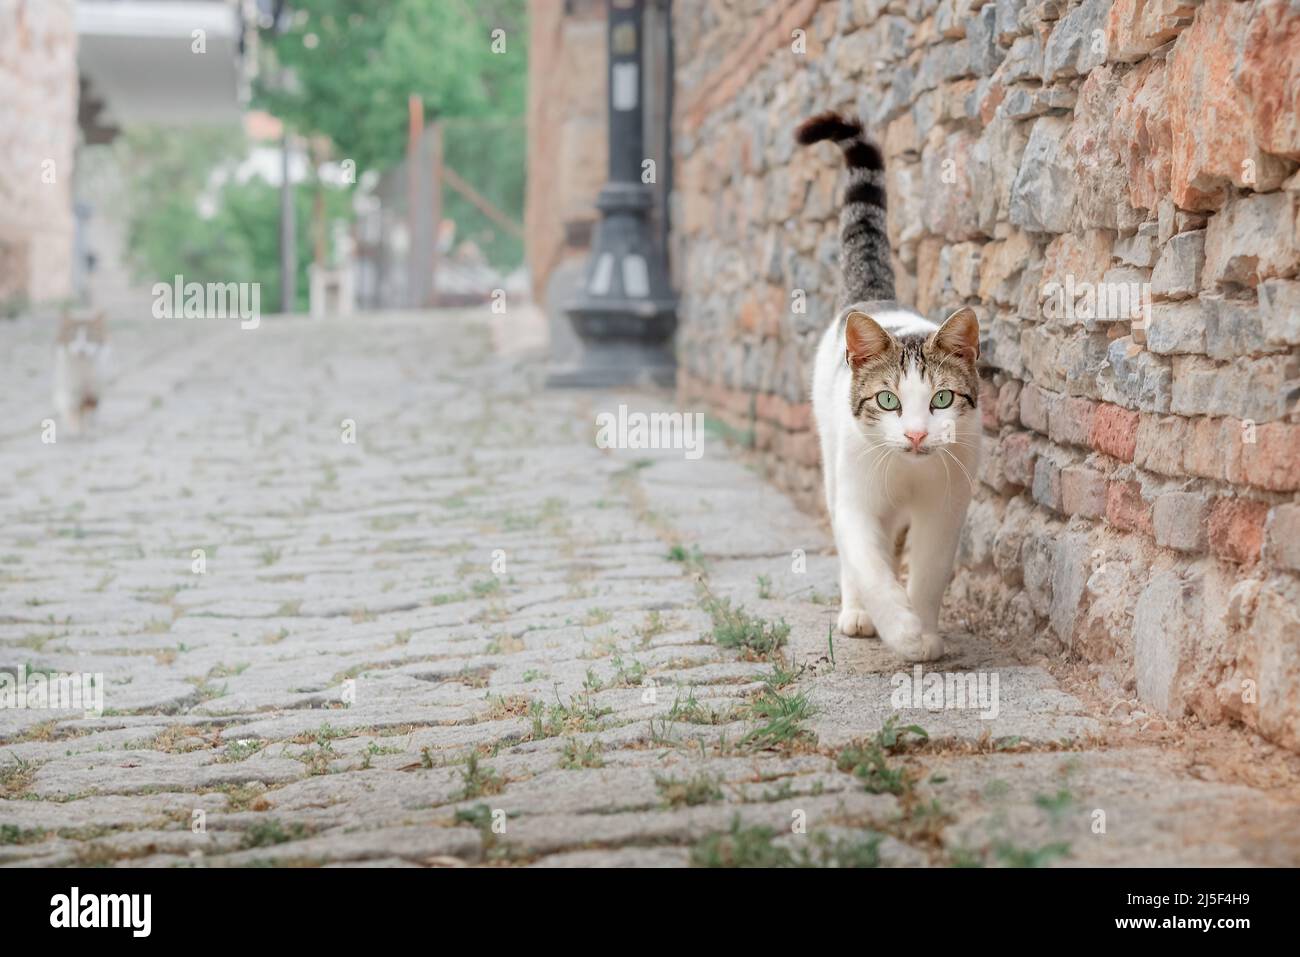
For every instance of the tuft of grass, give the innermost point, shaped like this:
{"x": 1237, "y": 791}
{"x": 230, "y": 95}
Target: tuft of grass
{"x": 653, "y": 625}
{"x": 869, "y": 761}
{"x": 241, "y": 750}
{"x": 734, "y": 627}
{"x": 756, "y": 847}
{"x": 489, "y": 586}
{"x": 700, "y": 788}
{"x": 1008, "y": 854}
{"x": 580, "y": 714}
{"x": 692, "y": 711}
{"x": 15, "y": 777}
{"x": 501, "y": 707}
{"x": 13, "y": 834}
{"x": 741, "y": 847}
{"x": 781, "y": 716}
{"x": 627, "y": 674}
{"x": 690, "y": 557}
{"x": 577, "y": 755}
{"x": 271, "y": 831}
{"x": 478, "y": 780}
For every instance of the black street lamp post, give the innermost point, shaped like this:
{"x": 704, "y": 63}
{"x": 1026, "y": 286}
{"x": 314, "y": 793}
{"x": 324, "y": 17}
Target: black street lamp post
{"x": 625, "y": 313}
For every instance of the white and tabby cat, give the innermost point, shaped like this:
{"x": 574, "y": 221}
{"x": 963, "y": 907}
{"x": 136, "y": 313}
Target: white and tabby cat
{"x": 894, "y": 398}
{"x": 80, "y": 361}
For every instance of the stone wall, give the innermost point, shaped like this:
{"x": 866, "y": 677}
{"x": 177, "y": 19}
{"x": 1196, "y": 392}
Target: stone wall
{"x": 1137, "y": 506}
{"x": 38, "y": 130}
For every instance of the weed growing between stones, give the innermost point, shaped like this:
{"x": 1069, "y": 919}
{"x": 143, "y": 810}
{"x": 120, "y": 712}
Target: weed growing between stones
{"x": 781, "y": 716}
{"x": 756, "y": 846}
{"x": 627, "y": 674}
{"x": 690, "y": 711}
{"x": 691, "y": 557}
{"x": 700, "y": 788}
{"x": 270, "y": 832}
{"x": 240, "y": 751}
{"x": 577, "y": 755}
{"x": 737, "y": 629}
{"x": 478, "y": 780}
{"x": 13, "y": 834}
{"x": 869, "y": 761}
{"x": 15, "y": 777}
{"x": 580, "y": 714}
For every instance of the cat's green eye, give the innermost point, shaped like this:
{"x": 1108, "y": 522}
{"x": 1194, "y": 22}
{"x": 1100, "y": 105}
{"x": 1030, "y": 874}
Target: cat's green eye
{"x": 942, "y": 399}
{"x": 887, "y": 401}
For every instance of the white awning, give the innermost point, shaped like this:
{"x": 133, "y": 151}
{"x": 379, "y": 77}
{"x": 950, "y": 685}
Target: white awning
{"x": 141, "y": 57}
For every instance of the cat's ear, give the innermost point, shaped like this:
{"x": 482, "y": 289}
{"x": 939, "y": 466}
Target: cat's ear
{"x": 959, "y": 335}
{"x": 864, "y": 339}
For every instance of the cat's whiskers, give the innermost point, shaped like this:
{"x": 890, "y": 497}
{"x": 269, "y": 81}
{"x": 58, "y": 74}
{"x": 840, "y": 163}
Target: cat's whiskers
{"x": 963, "y": 468}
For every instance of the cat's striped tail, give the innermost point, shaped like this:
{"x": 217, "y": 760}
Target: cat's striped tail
{"x": 865, "y": 269}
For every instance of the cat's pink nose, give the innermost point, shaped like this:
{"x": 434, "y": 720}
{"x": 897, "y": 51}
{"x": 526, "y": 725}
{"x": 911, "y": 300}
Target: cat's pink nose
{"x": 916, "y": 438}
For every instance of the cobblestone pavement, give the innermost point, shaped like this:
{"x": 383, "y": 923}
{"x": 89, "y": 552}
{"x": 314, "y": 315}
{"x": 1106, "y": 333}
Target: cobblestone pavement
{"x": 473, "y": 636}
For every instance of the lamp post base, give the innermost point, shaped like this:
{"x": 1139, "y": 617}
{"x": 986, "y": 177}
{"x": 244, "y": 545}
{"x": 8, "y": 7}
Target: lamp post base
{"x": 617, "y": 364}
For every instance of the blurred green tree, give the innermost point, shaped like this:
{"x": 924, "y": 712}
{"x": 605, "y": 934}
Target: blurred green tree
{"x": 188, "y": 215}
{"x": 345, "y": 69}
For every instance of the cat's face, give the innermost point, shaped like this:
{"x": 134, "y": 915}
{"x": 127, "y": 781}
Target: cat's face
{"x": 910, "y": 393}
{"x": 82, "y": 335}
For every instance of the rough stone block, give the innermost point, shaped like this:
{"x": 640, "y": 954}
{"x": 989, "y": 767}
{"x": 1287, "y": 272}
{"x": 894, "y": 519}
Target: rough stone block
{"x": 1180, "y": 520}
{"x": 1255, "y": 389}
{"x": 1135, "y": 378}
{"x": 1073, "y": 48}
{"x": 1042, "y": 196}
{"x": 1236, "y": 529}
{"x": 1282, "y": 537}
{"x": 1270, "y": 456}
{"x": 1176, "y": 328}
{"x": 1214, "y": 147}
{"x": 1047, "y": 483}
{"x": 1178, "y": 270}
{"x": 1126, "y": 509}
{"x": 1166, "y": 621}
{"x": 1114, "y": 431}
{"x": 1069, "y": 420}
{"x": 1279, "y": 305}
{"x": 1018, "y": 456}
{"x": 1083, "y": 492}
{"x": 1161, "y": 443}
{"x": 1035, "y": 404}
{"x": 1241, "y": 241}
{"x": 1008, "y": 410}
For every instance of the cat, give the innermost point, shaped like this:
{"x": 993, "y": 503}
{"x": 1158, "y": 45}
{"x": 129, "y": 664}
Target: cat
{"x": 894, "y": 398}
{"x": 80, "y": 361}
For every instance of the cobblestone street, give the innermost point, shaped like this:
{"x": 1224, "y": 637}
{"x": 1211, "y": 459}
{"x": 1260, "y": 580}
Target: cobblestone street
{"x": 471, "y": 636}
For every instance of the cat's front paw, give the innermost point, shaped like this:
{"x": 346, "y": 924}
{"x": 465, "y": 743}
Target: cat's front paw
{"x": 855, "y": 623}
{"x": 913, "y": 643}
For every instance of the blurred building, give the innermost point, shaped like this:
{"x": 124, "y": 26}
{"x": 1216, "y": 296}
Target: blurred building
{"x": 73, "y": 74}
{"x": 38, "y": 135}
